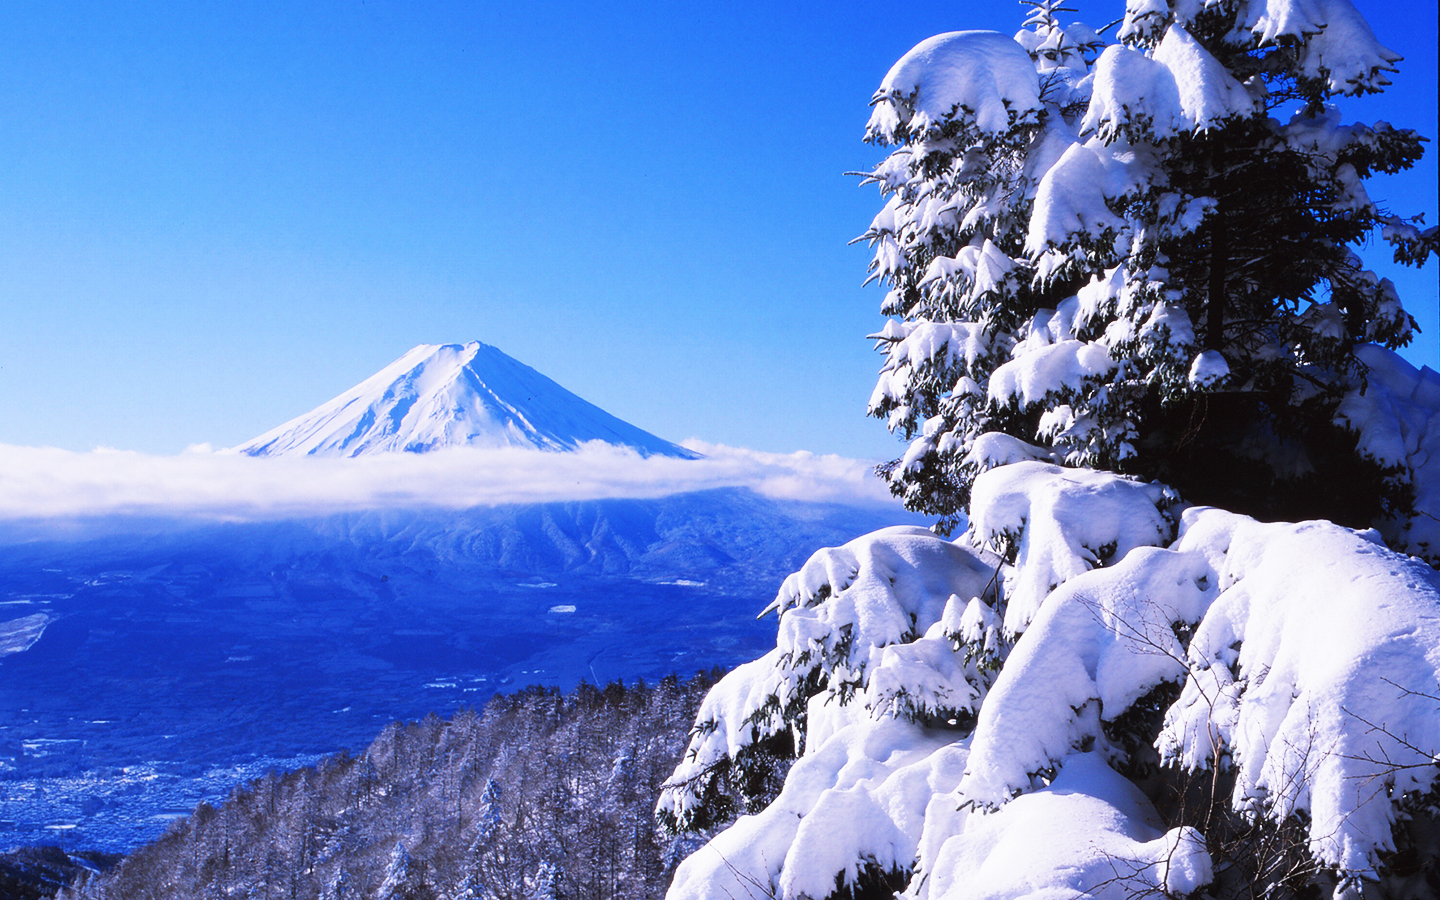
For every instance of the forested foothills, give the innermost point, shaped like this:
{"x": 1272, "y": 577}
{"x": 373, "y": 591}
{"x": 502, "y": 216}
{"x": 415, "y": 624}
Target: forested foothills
{"x": 538, "y": 795}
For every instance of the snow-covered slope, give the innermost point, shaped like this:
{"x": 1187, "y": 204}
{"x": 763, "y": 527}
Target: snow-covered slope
{"x": 446, "y": 395}
{"x": 978, "y": 725}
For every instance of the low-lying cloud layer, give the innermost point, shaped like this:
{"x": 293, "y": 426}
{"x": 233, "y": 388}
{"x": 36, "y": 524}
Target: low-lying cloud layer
{"x": 45, "y": 483}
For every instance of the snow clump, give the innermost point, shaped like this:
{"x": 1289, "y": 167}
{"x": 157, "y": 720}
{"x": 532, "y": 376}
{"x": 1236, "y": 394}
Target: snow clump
{"x": 1303, "y": 658}
{"x": 981, "y": 78}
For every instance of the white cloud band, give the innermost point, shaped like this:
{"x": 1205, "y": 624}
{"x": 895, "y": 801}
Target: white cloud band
{"x": 46, "y": 483}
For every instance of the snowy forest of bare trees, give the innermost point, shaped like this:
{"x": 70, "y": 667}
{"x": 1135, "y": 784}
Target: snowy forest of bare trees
{"x": 539, "y": 795}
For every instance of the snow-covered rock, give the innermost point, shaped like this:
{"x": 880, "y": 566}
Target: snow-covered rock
{"x": 448, "y": 395}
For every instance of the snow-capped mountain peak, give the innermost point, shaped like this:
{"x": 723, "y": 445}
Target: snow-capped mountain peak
{"x": 447, "y": 395}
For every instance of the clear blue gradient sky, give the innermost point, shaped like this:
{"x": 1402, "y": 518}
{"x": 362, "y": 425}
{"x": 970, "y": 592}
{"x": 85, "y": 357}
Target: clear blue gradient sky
{"x": 213, "y": 217}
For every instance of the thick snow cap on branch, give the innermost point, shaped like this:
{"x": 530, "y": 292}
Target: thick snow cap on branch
{"x": 919, "y": 349}
{"x": 1397, "y": 416}
{"x": 1336, "y": 42}
{"x": 883, "y": 588}
{"x": 981, "y": 77}
{"x": 1089, "y": 834}
{"x": 993, "y": 449}
{"x": 1208, "y": 368}
{"x": 743, "y": 709}
{"x": 845, "y": 604}
{"x": 1074, "y": 197}
{"x": 1053, "y": 370}
{"x": 1061, "y": 523}
{"x": 1133, "y": 95}
{"x": 1100, "y": 642}
{"x": 1181, "y": 88}
{"x": 875, "y": 777}
{"x": 1316, "y": 671}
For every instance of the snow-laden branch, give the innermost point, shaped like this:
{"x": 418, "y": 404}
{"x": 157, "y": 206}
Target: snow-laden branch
{"x": 1312, "y": 671}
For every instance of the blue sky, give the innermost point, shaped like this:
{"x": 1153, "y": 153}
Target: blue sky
{"x": 215, "y": 217}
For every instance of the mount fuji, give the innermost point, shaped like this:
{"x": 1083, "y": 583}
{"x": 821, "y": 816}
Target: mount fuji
{"x": 446, "y": 395}
{"x": 155, "y": 663}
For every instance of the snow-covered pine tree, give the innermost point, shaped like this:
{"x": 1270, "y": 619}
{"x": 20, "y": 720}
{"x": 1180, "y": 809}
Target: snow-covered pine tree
{"x": 1139, "y": 261}
{"x": 1144, "y": 701}
{"x": 397, "y": 873}
{"x": 1099, "y": 690}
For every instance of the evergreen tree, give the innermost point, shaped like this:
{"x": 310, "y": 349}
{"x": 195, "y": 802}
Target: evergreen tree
{"x": 1138, "y": 261}
{"x": 545, "y": 885}
{"x": 397, "y": 873}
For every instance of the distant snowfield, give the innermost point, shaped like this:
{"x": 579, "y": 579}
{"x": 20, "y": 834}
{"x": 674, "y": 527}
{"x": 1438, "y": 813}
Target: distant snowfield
{"x": 47, "y": 483}
{"x": 19, "y": 635}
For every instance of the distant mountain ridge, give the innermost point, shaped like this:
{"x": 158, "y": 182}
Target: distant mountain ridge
{"x": 450, "y": 395}
{"x": 198, "y": 648}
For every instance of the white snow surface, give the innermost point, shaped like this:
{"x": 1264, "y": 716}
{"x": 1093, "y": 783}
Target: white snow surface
{"x": 1312, "y": 668}
{"x": 1337, "y": 44}
{"x": 1062, "y": 522}
{"x": 1316, "y": 669}
{"x": 1099, "y": 643}
{"x": 1208, "y": 95}
{"x": 980, "y": 77}
{"x": 19, "y": 635}
{"x": 1341, "y": 48}
{"x": 449, "y": 395}
{"x": 876, "y": 777}
{"x": 994, "y": 448}
{"x": 1397, "y": 415}
{"x": 1071, "y": 200}
{"x": 1090, "y": 833}
{"x": 1046, "y": 372}
{"x": 1132, "y": 93}
{"x": 1208, "y": 368}
{"x": 1179, "y": 88}
{"x": 884, "y": 588}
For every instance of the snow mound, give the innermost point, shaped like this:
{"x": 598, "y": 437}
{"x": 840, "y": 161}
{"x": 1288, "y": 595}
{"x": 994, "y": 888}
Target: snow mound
{"x": 1305, "y": 660}
{"x": 1058, "y": 523}
{"x": 877, "y": 777}
{"x": 1090, "y": 833}
{"x": 1315, "y": 671}
{"x": 1397, "y": 416}
{"x": 982, "y": 78}
{"x": 448, "y": 395}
